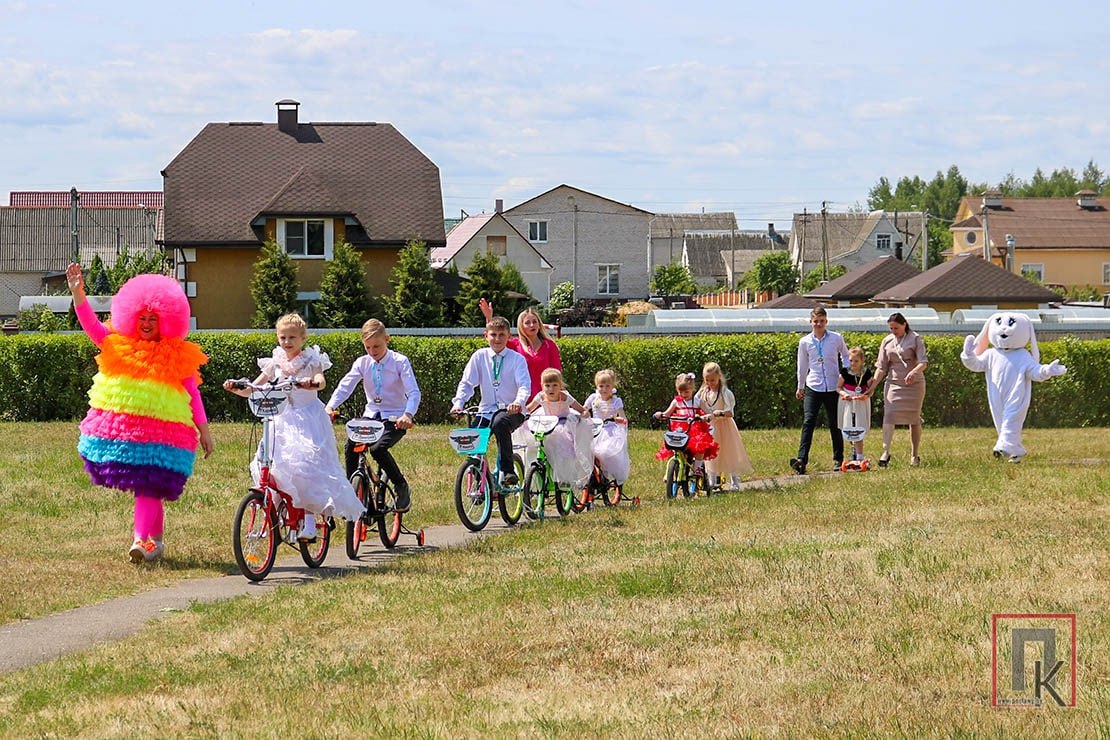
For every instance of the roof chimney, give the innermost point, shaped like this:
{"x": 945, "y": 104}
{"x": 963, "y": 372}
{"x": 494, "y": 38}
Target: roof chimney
{"x": 498, "y": 205}
{"x": 992, "y": 199}
{"x": 287, "y": 116}
{"x": 1086, "y": 199}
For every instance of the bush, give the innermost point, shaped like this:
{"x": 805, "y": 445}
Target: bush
{"x": 48, "y": 376}
{"x": 632, "y": 308}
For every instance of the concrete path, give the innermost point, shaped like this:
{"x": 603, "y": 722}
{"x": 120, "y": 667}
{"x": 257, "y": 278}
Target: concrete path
{"x": 35, "y": 641}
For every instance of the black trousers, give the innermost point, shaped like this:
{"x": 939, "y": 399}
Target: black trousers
{"x": 502, "y": 427}
{"x": 380, "y": 452}
{"x": 815, "y": 400}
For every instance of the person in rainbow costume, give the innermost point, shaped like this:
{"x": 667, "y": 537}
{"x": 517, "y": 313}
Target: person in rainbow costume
{"x": 145, "y": 411}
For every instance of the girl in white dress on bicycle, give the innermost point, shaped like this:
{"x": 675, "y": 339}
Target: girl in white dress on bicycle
{"x": 305, "y": 458}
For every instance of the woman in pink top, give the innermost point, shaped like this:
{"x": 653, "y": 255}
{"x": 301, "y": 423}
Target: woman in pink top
{"x": 531, "y": 341}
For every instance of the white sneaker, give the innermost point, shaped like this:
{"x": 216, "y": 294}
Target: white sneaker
{"x": 153, "y": 550}
{"x": 308, "y": 528}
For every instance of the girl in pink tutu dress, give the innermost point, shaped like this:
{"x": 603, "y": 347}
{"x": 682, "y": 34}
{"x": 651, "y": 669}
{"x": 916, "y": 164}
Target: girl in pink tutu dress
{"x": 610, "y": 446}
{"x": 732, "y": 458}
{"x": 567, "y": 446}
{"x": 687, "y": 406}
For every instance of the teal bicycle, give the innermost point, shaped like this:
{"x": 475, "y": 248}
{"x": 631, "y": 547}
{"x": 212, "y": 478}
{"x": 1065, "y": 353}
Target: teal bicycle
{"x": 476, "y": 487}
{"x": 540, "y": 484}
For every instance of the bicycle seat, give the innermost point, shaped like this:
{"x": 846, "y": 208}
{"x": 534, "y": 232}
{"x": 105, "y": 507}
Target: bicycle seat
{"x": 542, "y": 424}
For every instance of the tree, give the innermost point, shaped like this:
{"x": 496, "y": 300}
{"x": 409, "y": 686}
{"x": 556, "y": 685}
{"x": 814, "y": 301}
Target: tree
{"x": 273, "y": 285}
{"x": 345, "y": 299}
{"x": 814, "y": 277}
{"x": 773, "y": 271}
{"x": 129, "y": 264}
{"x": 562, "y": 298}
{"x": 517, "y": 295}
{"x": 483, "y": 280}
{"x": 673, "y": 279}
{"x": 417, "y": 299}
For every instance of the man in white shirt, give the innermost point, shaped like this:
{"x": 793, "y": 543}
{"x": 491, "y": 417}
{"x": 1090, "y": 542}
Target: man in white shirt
{"x": 821, "y": 354}
{"x": 501, "y": 376}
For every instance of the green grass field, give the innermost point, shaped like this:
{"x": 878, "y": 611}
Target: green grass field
{"x": 850, "y": 605}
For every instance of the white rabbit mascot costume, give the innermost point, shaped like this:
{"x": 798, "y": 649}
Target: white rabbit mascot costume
{"x": 1010, "y": 370}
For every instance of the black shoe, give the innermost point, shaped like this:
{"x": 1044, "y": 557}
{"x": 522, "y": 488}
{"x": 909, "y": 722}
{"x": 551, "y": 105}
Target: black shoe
{"x": 884, "y": 460}
{"x": 509, "y": 480}
{"x": 404, "y": 501}
{"x": 838, "y": 464}
{"x": 798, "y": 465}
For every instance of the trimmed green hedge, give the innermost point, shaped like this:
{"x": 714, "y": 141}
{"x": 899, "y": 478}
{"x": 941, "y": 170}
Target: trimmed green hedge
{"x": 47, "y": 375}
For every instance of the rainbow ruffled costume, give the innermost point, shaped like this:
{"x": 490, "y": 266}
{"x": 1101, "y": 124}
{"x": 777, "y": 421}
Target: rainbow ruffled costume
{"x": 140, "y": 433}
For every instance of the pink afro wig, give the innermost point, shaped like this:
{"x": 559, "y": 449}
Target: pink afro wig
{"x": 156, "y": 293}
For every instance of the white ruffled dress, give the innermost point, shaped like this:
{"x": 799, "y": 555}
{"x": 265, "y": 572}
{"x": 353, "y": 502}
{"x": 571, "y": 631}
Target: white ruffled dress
{"x": 610, "y": 446}
{"x": 306, "y": 460}
{"x": 567, "y": 446}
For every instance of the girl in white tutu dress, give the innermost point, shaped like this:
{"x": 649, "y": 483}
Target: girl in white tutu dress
{"x": 610, "y": 446}
{"x": 305, "y": 459}
{"x": 732, "y": 459}
{"x": 568, "y": 445}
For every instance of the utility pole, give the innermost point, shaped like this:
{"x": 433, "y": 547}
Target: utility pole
{"x": 802, "y": 250}
{"x": 824, "y": 241}
{"x": 986, "y": 234}
{"x": 73, "y": 198}
{"x": 925, "y": 243}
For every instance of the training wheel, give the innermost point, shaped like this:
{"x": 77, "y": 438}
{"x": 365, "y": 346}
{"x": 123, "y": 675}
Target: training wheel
{"x": 635, "y": 500}
{"x": 420, "y": 538}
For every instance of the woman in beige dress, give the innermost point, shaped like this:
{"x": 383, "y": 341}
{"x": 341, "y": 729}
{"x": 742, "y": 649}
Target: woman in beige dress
{"x": 902, "y": 361}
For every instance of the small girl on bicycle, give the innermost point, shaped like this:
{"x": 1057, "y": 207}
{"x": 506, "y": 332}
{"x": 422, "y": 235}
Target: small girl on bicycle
{"x": 567, "y": 446}
{"x": 305, "y": 459}
{"x": 686, "y": 405}
{"x": 610, "y": 446}
{"x": 732, "y": 458}
{"x": 855, "y": 387}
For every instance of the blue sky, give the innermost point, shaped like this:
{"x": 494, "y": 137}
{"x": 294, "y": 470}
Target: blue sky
{"x": 670, "y": 107}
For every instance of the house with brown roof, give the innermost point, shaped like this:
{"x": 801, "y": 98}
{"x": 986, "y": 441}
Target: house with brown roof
{"x": 966, "y": 281}
{"x": 1060, "y": 241}
{"x": 595, "y": 242}
{"x": 856, "y": 288}
{"x": 491, "y": 233}
{"x": 854, "y": 239}
{"x": 306, "y": 186}
{"x": 36, "y": 237}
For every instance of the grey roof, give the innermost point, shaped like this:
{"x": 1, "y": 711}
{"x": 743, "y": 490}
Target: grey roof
{"x": 866, "y": 280}
{"x": 667, "y": 224}
{"x": 790, "y": 300}
{"x": 847, "y": 232}
{"x": 232, "y": 173}
{"x": 39, "y": 239}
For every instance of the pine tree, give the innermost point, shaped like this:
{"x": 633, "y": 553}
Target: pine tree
{"x": 417, "y": 299}
{"x": 273, "y": 285}
{"x": 517, "y": 295}
{"x": 345, "y": 299}
{"x": 483, "y": 280}
{"x": 96, "y": 279}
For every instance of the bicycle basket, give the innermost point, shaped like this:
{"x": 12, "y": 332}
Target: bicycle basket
{"x": 675, "y": 440}
{"x": 542, "y": 424}
{"x": 469, "y": 441}
{"x": 365, "y": 431}
{"x": 267, "y": 404}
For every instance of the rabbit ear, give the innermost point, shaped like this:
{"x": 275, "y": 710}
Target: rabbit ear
{"x": 1034, "y": 349}
{"x": 983, "y": 339}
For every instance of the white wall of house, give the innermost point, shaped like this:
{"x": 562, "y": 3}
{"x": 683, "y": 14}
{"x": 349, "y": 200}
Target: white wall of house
{"x": 16, "y": 284}
{"x": 612, "y": 242}
{"x": 536, "y": 273}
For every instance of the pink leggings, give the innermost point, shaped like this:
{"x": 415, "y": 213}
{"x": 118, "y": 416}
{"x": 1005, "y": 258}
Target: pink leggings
{"x": 149, "y": 517}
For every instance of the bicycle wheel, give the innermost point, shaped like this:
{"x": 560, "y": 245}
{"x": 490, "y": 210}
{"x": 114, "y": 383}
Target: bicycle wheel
{"x": 389, "y": 523}
{"x": 314, "y": 553}
{"x": 253, "y": 537}
{"x": 564, "y": 499}
{"x": 472, "y": 496}
{"x": 511, "y": 502}
{"x": 534, "y": 484}
{"x": 673, "y": 478}
{"x": 612, "y": 492}
{"x": 356, "y": 530}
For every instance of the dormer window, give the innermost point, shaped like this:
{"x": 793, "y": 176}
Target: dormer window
{"x": 882, "y": 241}
{"x": 306, "y": 238}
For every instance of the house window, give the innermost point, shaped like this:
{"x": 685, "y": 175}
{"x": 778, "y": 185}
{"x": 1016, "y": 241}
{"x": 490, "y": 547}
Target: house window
{"x": 608, "y": 279}
{"x": 537, "y": 231}
{"x": 1034, "y": 270}
{"x": 970, "y": 237}
{"x": 1106, "y": 273}
{"x": 497, "y": 245}
{"x": 882, "y": 241}
{"x": 307, "y": 238}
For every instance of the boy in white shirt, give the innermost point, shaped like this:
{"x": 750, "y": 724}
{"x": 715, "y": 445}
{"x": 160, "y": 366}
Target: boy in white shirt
{"x": 392, "y": 396}
{"x": 501, "y": 376}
